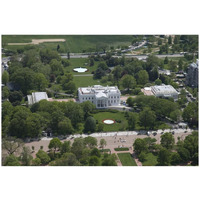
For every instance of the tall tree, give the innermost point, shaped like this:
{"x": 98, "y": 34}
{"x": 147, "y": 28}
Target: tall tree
{"x": 55, "y": 144}
{"x": 167, "y": 140}
{"x": 147, "y": 118}
{"x": 128, "y": 82}
{"x": 12, "y": 145}
{"x": 90, "y": 125}
{"x": 5, "y": 77}
{"x": 143, "y": 77}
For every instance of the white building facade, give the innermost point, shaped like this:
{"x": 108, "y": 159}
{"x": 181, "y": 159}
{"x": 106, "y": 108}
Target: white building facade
{"x": 164, "y": 91}
{"x": 101, "y": 97}
{"x": 36, "y": 97}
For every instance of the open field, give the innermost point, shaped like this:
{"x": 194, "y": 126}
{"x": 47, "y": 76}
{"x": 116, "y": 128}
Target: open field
{"x": 126, "y": 159}
{"x": 85, "y": 81}
{"x": 150, "y": 160}
{"x": 73, "y": 43}
{"x": 115, "y": 116}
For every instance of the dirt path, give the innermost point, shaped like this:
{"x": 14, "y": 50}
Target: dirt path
{"x": 38, "y": 41}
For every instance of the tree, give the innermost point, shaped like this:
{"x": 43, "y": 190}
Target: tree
{"x": 190, "y": 114}
{"x": 47, "y": 55}
{"x": 99, "y": 73}
{"x": 142, "y": 156}
{"x": 143, "y": 77}
{"x": 67, "y": 159}
{"x": 100, "y": 127}
{"x": 103, "y": 66}
{"x": 55, "y": 144}
{"x": 30, "y": 57}
{"x": 95, "y": 152}
{"x": 65, "y": 148}
{"x": 70, "y": 87}
{"x": 26, "y": 156}
{"x": 5, "y": 77}
{"x": 43, "y": 156}
{"x": 140, "y": 145}
{"x": 184, "y": 154}
{"x": 33, "y": 125}
{"x": 170, "y": 40}
{"x": 117, "y": 73}
{"x": 24, "y": 78}
{"x": 164, "y": 157}
{"x": 5, "y": 92}
{"x": 90, "y": 125}
{"x": 132, "y": 119}
{"x": 158, "y": 81}
{"x": 191, "y": 144}
{"x": 91, "y": 62}
{"x": 166, "y": 60}
{"x": 40, "y": 81}
{"x": 36, "y": 162}
{"x": 56, "y": 67}
{"x": 175, "y": 158}
{"x": 15, "y": 96}
{"x": 65, "y": 127}
{"x": 88, "y": 107}
{"x": 167, "y": 140}
{"x": 65, "y": 62}
{"x": 77, "y": 147}
{"x": 175, "y": 115}
{"x": 94, "y": 161}
{"x": 109, "y": 160}
{"x": 103, "y": 143}
{"x": 68, "y": 55}
{"x": 58, "y": 47}
{"x": 128, "y": 82}
{"x": 11, "y": 160}
{"x": 147, "y": 118}
{"x": 91, "y": 142}
{"x": 12, "y": 145}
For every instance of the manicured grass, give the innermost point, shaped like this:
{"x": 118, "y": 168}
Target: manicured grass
{"x": 85, "y": 81}
{"x": 115, "y": 116}
{"x": 126, "y": 159}
{"x": 104, "y": 150}
{"x": 73, "y": 43}
{"x": 80, "y": 62}
{"x": 150, "y": 160}
{"x": 121, "y": 149}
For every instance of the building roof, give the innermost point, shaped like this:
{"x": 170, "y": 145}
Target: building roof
{"x": 165, "y": 90}
{"x": 99, "y": 89}
{"x": 37, "y": 96}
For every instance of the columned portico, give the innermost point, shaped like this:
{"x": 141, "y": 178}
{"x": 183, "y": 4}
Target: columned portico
{"x": 102, "y": 103}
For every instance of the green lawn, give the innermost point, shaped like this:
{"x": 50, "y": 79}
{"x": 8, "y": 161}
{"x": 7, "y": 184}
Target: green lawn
{"x": 115, "y": 116}
{"x": 85, "y": 81}
{"x": 150, "y": 160}
{"x": 126, "y": 159}
{"x": 80, "y": 62}
{"x": 73, "y": 43}
{"x": 121, "y": 149}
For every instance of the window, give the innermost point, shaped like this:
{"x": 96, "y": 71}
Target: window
{"x": 86, "y": 98}
{"x": 89, "y": 97}
{"x": 83, "y": 98}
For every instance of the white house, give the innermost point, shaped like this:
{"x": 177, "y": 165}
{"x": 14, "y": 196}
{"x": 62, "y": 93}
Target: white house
{"x": 36, "y": 97}
{"x": 102, "y": 97}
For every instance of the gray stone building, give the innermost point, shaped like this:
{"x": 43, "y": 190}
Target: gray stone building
{"x": 192, "y": 75}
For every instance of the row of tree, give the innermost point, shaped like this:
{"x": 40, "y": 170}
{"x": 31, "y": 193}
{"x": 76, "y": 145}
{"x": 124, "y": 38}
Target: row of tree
{"x": 83, "y": 152}
{"x": 184, "y": 152}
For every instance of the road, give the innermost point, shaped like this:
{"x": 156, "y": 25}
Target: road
{"x": 140, "y": 57}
